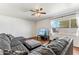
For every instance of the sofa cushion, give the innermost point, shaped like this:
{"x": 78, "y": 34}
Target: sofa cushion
{"x": 10, "y": 36}
{"x": 4, "y": 44}
{"x": 58, "y": 45}
{"x": 34, "y": 53}
{"x": 21, "y": 39}
{"x": 5, "y": 37}
{"x": 42, "y": 51}
{"x": 16, "y": 45}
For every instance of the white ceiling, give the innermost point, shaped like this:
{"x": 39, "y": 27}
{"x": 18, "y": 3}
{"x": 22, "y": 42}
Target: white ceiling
{"x": 52, "y": 9}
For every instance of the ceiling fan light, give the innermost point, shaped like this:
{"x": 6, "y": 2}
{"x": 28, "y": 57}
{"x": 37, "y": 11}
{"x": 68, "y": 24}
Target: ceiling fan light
{"x": 38, "y": 15}
{"x": 38, "y": 12}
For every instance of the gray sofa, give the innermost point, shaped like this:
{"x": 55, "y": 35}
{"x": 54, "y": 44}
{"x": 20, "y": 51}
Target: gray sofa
{"x": 10, "y": 45}
{"x": 56, "y": 47}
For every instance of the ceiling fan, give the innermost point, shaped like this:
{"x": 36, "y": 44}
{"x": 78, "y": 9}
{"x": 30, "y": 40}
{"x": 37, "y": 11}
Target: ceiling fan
{"x": 38, "y": 12}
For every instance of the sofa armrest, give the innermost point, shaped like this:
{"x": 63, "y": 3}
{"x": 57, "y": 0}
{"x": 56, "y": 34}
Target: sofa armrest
{"x": 1, "y": 52}
{"x": 68, "y": 50}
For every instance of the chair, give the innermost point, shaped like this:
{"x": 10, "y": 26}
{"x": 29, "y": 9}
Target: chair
{"x": 43, "y": 33}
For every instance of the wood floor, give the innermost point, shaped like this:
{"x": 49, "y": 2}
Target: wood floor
{"x": 44, "y": 41}
{"x": 75, "y": 50}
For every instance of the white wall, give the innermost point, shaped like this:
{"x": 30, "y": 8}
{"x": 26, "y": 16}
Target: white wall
{"x": 15, "y": 26}
{"x": 43, "y": 24}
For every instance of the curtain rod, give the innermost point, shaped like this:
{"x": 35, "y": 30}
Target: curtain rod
{"x": 71, "y": 13}
{"x": 64, "y": 16}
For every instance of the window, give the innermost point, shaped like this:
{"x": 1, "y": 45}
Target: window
{"x": 73, "y": 23}
{"x": 55, "y": 23}
{"x": 64, "y": 24}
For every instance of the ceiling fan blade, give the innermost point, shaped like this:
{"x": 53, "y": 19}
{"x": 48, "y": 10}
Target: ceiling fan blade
{"x": 33, "y": 13}
{"x": 32, "y": 10}
{"x": 43, "y": 12}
